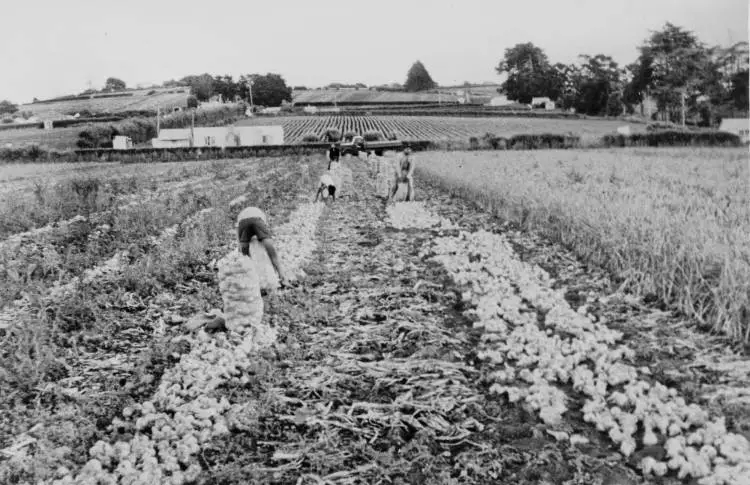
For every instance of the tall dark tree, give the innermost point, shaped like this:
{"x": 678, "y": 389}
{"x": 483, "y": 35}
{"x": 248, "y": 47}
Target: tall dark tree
{"x": 418, "y": 79}
{"x": 114, "y": 84}
{"x": 739, "y": 90}
{"x": 226, "y": 87}
{"x": 674, "y": 64}
{"x": 599, "y": 86}
{"x": 268, "y": 90}
{"x": 201, "y": 86}
{"x": 529, "y": 73}
{"x": 6, "y": 107}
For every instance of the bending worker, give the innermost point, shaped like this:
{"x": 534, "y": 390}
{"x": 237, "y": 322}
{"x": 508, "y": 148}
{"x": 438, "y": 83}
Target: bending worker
{"x": 404, "y": 174}
{"x": 327, "y": 182}
{"x": 251, "y": 222}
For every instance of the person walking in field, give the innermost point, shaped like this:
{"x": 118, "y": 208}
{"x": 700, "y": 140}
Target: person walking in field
{"x": 334, "y": 153}
{"x": 404, "y": 174}
{"x": 327, "y": 183}
{"x": 251, "y": 222}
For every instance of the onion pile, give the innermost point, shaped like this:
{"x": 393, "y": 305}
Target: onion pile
{"x": 414, "y": 215}
{"x": 569, "y": 348}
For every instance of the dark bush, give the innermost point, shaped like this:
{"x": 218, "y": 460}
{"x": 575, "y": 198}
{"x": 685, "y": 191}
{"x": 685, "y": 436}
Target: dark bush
{"x": 372, "y": 136}
{"x": 672, "y": 138}
{"x": 537, "y": 141}
{"x": 349, "y": 136}
{"x": 310, "y": 138}
{"x": 332, "y": 135}
{"x": 474, "y": 143}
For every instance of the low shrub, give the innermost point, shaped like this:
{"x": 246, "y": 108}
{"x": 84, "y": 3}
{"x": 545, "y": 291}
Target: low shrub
{"x": 332, "y": 135}
{"x": 672, "y": 138}
{"x": 541, "y": 141}
{"x": 310, "y": 138}
{"x": 372, "y": 136}
{"x": 349, "y": 136}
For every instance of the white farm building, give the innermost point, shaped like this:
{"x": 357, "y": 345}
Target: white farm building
{"x": 738, "y": 126}
{"x": 221, "y": 136}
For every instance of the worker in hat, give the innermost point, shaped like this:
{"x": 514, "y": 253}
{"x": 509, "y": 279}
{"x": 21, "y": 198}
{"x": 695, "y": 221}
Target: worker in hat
{"x": 404, "y": 174}
{"x": 251, "y": 222}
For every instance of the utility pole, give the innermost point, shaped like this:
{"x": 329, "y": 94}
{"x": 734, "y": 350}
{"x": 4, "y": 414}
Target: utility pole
{"x": 250, "y": 90}
{"x": 158, "y": 120}
{"x": 192, "y": 128}
{"x": 682, "y": 99}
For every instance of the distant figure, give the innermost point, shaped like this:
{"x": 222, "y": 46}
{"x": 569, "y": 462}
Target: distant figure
{"x": 251, "y": 222}
{"x": 327, "y": 183}
{"x": 404, "y": 174}
{"x": 334, "y": 153}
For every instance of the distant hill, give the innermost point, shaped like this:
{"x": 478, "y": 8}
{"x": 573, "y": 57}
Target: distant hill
{"x": 365, "y": 96}
{"x": 110, "y": 103}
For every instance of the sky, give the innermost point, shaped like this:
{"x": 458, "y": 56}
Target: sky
{"x": 57, "y": 47}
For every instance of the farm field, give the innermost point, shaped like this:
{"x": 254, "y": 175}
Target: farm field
{"x": 432, "y": 128}
{"x": 673, "y": 224}
{"x": 353, "y": 96}
{"x": 32, "y": 195}
{"x": 139, "y": 101}
{"x": 57, "y": 138}
{"x": 405, "y": 127}
{"x": 425, "y": 342}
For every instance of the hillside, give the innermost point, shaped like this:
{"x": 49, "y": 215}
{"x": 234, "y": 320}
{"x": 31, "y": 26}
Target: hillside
{"x": 365, "y": 96}
{"x": 166, "y": 98}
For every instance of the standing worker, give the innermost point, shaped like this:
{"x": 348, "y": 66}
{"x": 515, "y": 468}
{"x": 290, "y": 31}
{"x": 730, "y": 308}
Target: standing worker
{"x": 251, "y": 222}
{"x": 334, "y": 153}
{"x": 404, "y": 174}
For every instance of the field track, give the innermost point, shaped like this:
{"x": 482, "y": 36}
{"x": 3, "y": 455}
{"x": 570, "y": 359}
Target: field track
{"x": 397, "y": 358}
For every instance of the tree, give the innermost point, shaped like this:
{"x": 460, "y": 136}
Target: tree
{"x": 739, "y": 90}
{"x": 226, "y": 87}
{"x": 201, "y": 86}
{"x": 528, "y": 72}
{"x": 599, "y": 86}
{"x": 114, "y": 84}
{"x": 674, "y": 65}
{"x": 6, "y": 107}
{"x": 268, "y": 90}
{"x": 418, "y": 79}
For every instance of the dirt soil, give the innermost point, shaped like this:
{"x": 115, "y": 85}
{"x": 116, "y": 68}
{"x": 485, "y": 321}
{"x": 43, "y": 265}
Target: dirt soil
{"x": 375, "y": 378}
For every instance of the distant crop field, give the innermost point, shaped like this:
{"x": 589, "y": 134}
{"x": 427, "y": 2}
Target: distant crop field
{"x": 139, "y": 101}
{"x": 669, "y": 222}
{"x": 57, "y": 138}
{"x": 432, "y": 128}
{"x": 367, "y": 96}
{"x": 435, "y": 128}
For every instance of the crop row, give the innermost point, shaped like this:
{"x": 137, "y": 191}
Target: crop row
{"x": 123, "y": 327}
{"x": 296, "y": 129}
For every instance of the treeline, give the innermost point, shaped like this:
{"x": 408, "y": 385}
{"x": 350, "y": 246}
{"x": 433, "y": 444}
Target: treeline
{"x": 687, "y": 79}
{"x": 263, "y": 90}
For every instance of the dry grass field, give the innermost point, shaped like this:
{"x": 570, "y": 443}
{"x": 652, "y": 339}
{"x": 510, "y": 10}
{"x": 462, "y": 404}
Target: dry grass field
{"x": 671, "y": 223}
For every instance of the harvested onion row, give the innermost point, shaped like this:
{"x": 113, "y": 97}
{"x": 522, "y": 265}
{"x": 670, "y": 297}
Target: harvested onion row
{"x": 170, "y": 429}
{"x": 588, "y": 358}
{"x": 414, "y": 215}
